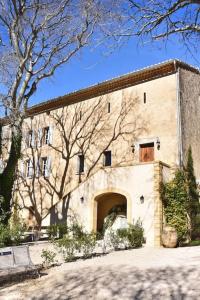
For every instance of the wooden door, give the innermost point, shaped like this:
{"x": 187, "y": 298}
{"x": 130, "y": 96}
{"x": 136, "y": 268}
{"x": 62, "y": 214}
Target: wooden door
{"x": 147, "y": 152}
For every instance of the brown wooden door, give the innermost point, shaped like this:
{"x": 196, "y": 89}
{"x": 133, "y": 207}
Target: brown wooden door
{"x": 147, "y": 152}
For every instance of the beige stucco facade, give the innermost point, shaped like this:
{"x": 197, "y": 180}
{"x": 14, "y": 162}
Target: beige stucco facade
{"x": 159, "y": 111}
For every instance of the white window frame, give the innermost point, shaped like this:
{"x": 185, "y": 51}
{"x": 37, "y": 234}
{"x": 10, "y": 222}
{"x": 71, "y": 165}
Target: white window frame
{"x": 46, "y": 166}
{"x": 46, "y": 135}
{"x": 29, "y": 168}
{"x": 30, "y": 139}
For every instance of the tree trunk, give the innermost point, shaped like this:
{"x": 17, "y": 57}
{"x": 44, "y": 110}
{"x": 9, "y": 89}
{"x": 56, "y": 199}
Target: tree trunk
{"x": 7, "y": 178}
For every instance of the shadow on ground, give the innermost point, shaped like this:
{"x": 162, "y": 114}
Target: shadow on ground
{"x": 120, "y": 282}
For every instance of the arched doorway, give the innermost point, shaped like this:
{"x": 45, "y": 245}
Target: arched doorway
{"x": 107, "y": 203}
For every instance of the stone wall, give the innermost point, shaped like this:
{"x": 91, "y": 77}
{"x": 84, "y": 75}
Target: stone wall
{"x": 190, "y": 116}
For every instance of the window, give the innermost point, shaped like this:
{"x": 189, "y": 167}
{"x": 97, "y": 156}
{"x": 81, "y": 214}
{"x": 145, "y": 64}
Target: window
{"x": 145, "y": 98}
{"x": 108, "y": 107}
{"x": 147, "y": 152}
{"x": 39, "y": 137}
{"x": 45, "y": 170}
{"x": 30, "y": 139}
{"x": 29, "y": 168}
{"x": 46, "y": 135}
{"x": 81, "y": 163}
{"x": 107, "y": 158}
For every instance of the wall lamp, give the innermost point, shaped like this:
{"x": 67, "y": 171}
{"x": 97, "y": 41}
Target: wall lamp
{"x": 142, "y": 199}
{"x": 158, "y": 143}
{"x": 133, "y": 148}
{"x": 82, "y": 199}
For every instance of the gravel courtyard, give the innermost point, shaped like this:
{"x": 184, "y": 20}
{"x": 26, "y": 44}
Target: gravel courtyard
{"x": 145, "y": 273}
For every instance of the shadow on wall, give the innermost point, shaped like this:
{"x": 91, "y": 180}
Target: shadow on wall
{"x": 121, "y": 282}
{"x": 58, "y": 216}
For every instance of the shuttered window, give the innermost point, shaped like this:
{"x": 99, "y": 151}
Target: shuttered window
{"x": 29, "y": 168}
{"x": 147, "y": 152}
{"x": 47, "y": 135}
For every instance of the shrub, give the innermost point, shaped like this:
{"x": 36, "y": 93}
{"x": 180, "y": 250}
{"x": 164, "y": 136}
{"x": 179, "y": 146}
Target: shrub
{"x": 87, "y": 244}
{"x": 11, "y": 235}
{"x": 76, "y": 241}
{"x": 175, "y": 199}
{"x": 5, "y": 238}
{"x": 193, "y": 205}
{"x": 135, "y": 235}
{"x": 67, "y": 246}
{"x": 48, "y": 258}
{"x": 131, "y": 237}
{"x": 115, "y": 239}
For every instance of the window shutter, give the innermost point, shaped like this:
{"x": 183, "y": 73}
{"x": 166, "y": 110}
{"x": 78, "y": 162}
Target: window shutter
{"x": 33, "y": 139}
{"x": 38, "y": 168}
{"x": 50, "y": 138}
{"x": 48, "y": 168}
{"x": 78, "y": 164}
{"x": 40, "y": 137}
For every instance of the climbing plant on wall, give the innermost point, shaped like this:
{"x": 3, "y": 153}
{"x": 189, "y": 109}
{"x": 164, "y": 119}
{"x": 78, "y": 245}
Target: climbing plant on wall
{"x": 175, "y": 199}
{"x": 181, "y": 202}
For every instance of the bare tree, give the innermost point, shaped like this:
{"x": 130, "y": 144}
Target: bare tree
{"x": 37, "y": 37}
{"x": 160, "y": 19}
{"x": 80, "y": 129}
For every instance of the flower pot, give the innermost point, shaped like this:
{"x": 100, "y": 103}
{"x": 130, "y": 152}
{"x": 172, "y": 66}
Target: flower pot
{"x": 169, "y": 237}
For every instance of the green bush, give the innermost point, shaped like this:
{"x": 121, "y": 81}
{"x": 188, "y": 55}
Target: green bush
{"x": 194, "y": 243}
{"x": 67, "y": 246}
{"x": 48, "y": 258}
{"x": 76, "y": 241}
{"x": 135, "y": 235}
{"x": 115, "y": 239}
{"x": 193, "y": 205}
{"x": 11, "y": 235}
{"x": 5, "y": 238}
{"x": 128, "y": 238}
{"x": 87, "y": 244}
{"x": 175, "y": 199}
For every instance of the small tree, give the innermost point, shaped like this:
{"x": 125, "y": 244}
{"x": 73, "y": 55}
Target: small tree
{"x": 193, "y": 197}
{"x": 175, "y": 199}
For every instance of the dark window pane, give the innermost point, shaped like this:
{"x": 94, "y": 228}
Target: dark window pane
{"x": 145, "y": 98}
{"x": 107, "y": 158}
{"x": 108, "y": 107}
{"x": 81, "y": 163}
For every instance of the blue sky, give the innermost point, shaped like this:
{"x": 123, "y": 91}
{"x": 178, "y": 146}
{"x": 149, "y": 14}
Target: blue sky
{"x": 91, "y": 67}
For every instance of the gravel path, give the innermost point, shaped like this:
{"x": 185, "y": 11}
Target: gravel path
{"x": 145, "y": 273}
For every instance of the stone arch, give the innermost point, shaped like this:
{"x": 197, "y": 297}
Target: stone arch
{"x": 104, "y": 194}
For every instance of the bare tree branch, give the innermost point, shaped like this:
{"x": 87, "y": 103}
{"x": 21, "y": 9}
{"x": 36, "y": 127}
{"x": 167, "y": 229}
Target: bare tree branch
{"x": 159, "y": 19}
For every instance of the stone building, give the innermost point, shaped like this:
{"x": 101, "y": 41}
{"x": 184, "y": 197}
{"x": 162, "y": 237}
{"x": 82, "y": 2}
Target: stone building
{"x": 109, "y": 145}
